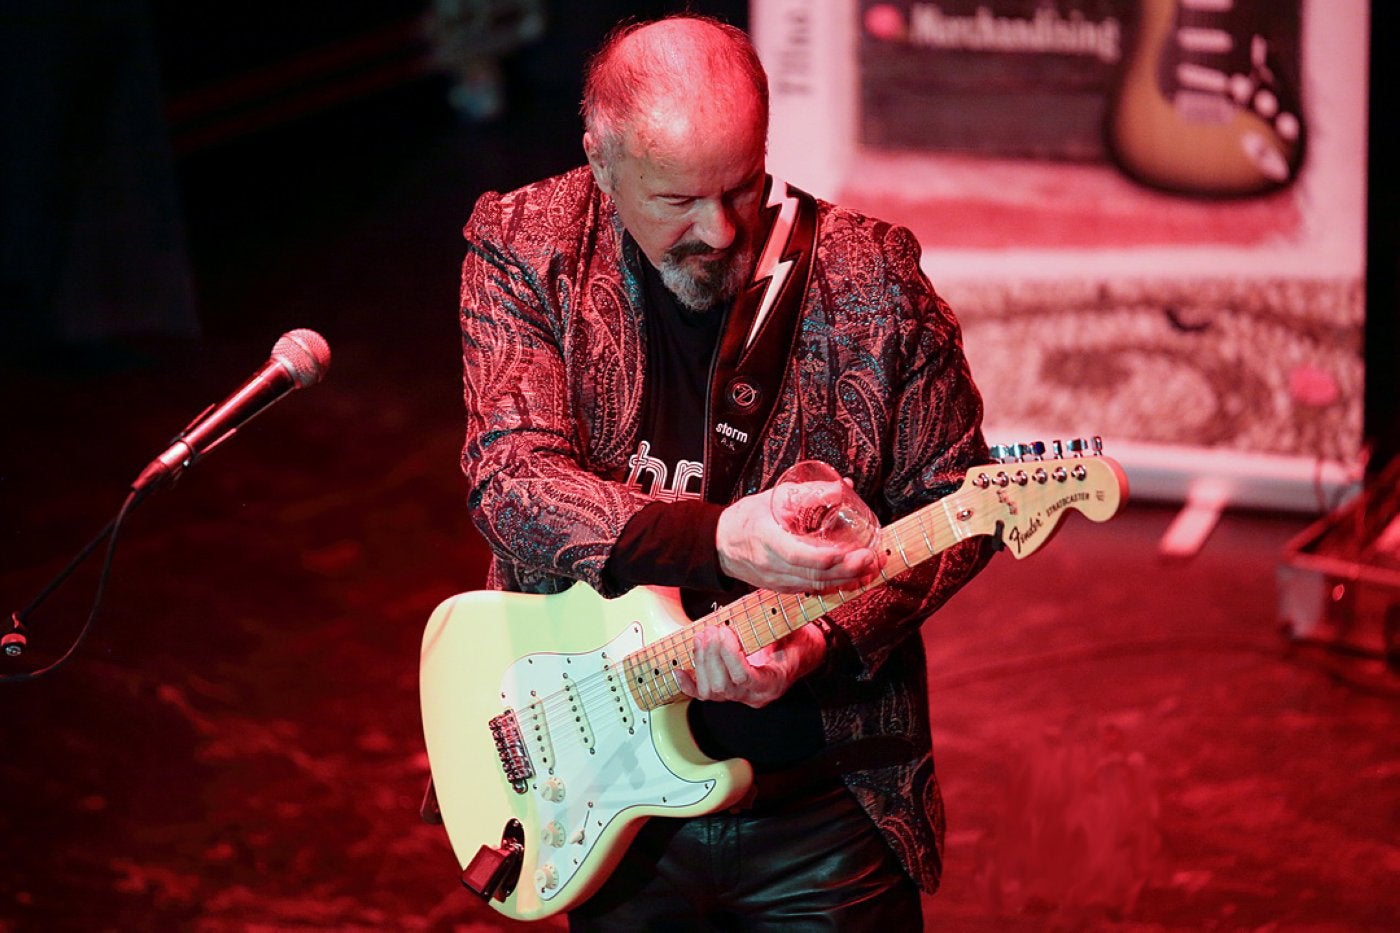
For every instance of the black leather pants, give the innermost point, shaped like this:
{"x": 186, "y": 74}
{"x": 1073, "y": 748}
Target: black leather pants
{"x": 815, "y": 864}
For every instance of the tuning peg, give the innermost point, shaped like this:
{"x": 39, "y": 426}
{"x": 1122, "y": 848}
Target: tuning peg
{"x": 1038, "y": 449}
{"x": 1098, "y": 446}
{"x": 1078, "y": 446}
{"x": 1001, "y": 453}
{"x": 1057, "y": 449}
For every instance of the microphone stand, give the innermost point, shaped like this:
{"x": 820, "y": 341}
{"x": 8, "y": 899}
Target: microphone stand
{"x": 299, "y": 359}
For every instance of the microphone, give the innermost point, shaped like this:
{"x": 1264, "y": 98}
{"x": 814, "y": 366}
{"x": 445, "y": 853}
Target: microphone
{"x": 299, "y": 359}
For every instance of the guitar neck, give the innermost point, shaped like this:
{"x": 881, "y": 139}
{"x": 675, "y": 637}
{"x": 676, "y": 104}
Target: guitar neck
{"x": 762, "y": 617}
{"x": 1021, "y": 498}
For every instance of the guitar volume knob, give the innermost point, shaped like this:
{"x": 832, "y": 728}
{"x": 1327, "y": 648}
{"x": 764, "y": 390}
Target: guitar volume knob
{"x": 552, "y": 790}
{"x": 546, "y": 877}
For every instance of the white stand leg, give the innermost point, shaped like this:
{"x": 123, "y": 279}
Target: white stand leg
{"x": 1205, "y": 500}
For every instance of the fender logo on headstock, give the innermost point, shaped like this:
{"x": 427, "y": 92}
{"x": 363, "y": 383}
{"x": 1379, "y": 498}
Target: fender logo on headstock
{"x": 1019, "y": 538}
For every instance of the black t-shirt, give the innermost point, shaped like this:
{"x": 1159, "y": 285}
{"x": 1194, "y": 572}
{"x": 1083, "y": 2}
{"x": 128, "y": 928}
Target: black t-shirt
{"x": 681, "y": 345}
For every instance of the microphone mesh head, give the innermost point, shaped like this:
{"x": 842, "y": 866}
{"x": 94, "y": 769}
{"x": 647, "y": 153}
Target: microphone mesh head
{"x": 305, "y": 354}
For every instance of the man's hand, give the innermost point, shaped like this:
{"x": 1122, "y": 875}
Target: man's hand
{"x": 755, "y": 548}
{"x": 723, "y": 673}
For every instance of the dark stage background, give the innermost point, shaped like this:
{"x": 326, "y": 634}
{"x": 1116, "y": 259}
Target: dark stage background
{"x": 1126, "y": 743}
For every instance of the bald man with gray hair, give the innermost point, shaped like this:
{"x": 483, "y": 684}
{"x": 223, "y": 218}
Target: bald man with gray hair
{"x": 642, "y": 64}
{"x": 649, "y": 341}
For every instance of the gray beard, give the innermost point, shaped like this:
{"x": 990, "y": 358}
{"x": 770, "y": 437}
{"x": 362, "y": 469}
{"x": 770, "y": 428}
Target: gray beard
{"x": 716, "y": 283}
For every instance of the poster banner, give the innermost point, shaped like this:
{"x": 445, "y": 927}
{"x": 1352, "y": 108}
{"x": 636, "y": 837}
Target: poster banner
{"x": 1149, "y": 214}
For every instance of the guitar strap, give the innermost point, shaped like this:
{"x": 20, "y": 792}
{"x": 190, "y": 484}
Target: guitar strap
{"x": 747, "y": 375}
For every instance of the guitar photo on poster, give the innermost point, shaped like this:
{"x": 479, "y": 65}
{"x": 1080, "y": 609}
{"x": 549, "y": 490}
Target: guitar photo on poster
{"x": 1205, "y": 106}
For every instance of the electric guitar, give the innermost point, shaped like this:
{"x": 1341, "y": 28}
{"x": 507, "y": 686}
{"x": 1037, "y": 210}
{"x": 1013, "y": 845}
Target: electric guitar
{"x": 1202, "y": 108}
{"x": 555, "y": 726}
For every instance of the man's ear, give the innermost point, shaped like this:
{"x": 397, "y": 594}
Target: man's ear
{"x": 596, "y": 163}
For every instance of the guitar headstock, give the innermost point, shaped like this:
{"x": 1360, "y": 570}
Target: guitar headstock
{"x": 1026, "y": 493}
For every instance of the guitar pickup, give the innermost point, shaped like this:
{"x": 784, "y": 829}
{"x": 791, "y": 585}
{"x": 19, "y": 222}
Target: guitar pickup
{"x": 578, "y": 708}
{"x": 494, "y": 871}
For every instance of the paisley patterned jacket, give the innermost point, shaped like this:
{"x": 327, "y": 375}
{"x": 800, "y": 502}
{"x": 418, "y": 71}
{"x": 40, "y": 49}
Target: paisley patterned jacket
{"x": 554, "y": 350}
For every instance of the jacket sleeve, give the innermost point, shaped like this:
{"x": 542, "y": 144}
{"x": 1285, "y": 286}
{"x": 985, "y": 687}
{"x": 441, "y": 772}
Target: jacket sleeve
{"x": 936, "y": 437}
{"x": 530, "y": 495}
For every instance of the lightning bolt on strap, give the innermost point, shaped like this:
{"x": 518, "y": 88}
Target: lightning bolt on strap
{"x": 772, "y": 269}
{"x": 757, "y": 338}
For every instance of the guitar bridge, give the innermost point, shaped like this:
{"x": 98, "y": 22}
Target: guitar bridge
{"x": 515, "y": 759}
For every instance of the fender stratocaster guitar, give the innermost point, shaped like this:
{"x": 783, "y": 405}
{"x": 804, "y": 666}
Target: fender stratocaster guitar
{"x": 1202, "y": 108}
{"x": 554, "y": 724}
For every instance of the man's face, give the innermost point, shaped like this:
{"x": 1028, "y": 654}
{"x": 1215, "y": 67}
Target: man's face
{"x": 689, "y": 195}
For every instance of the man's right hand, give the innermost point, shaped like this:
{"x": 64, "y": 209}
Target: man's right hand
{"x": 755, "y": 548}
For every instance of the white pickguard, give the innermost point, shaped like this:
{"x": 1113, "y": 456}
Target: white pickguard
{"x": 591, "y": 748}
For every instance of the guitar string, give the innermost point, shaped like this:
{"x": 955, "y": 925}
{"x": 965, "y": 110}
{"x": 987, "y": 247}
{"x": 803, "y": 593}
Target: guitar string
{"x": 944, "y": 535}
{"x": 656, "y": 685}
{"x": 754, "y": 611}
{"x": 658, "y": 660}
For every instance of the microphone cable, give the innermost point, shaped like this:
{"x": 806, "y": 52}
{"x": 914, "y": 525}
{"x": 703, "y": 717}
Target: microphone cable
{"x": 16, "y": 640}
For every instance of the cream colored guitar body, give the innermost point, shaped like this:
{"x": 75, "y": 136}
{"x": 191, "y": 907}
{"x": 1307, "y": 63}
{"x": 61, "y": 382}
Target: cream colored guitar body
{"x": 601, "y": 764}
